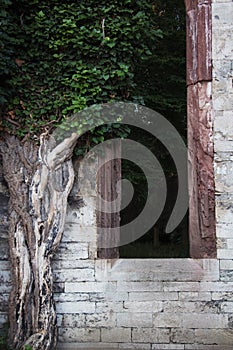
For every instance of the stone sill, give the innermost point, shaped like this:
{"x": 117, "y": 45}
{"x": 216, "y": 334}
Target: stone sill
{"x": 157, "y": 270}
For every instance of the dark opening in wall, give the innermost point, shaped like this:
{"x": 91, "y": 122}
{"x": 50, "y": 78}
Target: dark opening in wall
{"x": 163, "y": 89}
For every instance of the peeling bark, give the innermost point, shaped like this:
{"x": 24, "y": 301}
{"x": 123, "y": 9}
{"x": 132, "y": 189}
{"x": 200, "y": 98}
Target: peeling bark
{"x": 39, "y": 179}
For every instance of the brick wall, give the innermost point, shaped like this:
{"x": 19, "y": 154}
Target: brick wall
{"x": 148, "y": 303}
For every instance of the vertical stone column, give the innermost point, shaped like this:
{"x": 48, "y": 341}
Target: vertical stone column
{"x": 200, "y": 129}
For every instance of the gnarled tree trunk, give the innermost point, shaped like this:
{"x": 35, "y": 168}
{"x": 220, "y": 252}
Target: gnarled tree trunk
{"x": 39, "y": 179}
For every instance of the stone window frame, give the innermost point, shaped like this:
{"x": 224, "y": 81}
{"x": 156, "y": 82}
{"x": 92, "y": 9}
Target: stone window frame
{"x": 202, "y": 230}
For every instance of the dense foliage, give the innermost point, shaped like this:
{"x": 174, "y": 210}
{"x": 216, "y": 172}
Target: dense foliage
{"x": 59, "y": 57}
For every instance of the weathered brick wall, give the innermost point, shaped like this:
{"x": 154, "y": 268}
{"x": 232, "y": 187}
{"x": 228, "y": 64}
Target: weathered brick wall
{"x": 149, "y": 303}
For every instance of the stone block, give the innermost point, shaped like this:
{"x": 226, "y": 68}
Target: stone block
{"x": 73, "y": 335}
{"x": 86, "y": 346}
{"x": 216, "y": 286}
{"x": 182, "y": 336}
{"x": 90, "y": 287}
{"x": 222, "y": 296}
{"x": 224, "y": 230}
{"x": 74, "y": 232}
{"x": 116, "y": 335}
{"x": 112, "y": 307}
{"x": 181, "y": 287}
{"x": 226, "y": 264}
{"x": 71, "y": 320}
{"x": 72, "y": 264}
{"x": 225, "y": 253}
{"x": 135, "y": 346}
{"x": 169, "y": 320}
{"x": 167, "y": 346}
{"x": 190, "y": 307}
{"x": 75, "y": 307}
{"x": 227, "y": 307}
{"x": 139, "y": 286}
{"x": 119, "y": 296}
{"x": 134, "y": 319}
{"x": 84, "y": 215}
{"x": 68, "y": 297}
{"x": 107, "y": 319}
{"x": 223, "y": 177}
{"x": 155, "y": 270}
{"x": 194, "y": 296}
{"x": 144, "y": 335}
{"x": 153, "y": 296}
{"x": 72, "y": 251}
{"x": 204, "y": 321}
{"x": 220, "y": 337}
{"x": 143, "y": 306}
{"x": 222, "y": 15}
{"x": 74, "y": 275}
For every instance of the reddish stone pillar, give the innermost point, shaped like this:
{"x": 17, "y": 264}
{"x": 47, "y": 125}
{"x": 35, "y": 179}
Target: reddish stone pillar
{"x": 107, "y": 178}
{"x": 200, "y": 129}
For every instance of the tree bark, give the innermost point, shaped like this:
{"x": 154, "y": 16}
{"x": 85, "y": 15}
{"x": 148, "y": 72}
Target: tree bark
{"x": 39, "y": 179}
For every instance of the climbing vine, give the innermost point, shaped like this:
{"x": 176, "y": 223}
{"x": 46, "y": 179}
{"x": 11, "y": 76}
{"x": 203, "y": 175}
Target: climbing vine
{"x": 60, "y": 57}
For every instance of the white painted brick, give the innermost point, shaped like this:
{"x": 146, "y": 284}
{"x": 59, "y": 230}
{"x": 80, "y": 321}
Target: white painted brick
{"x": 145, "y": 335}
{"x": 134, "y": 319}
{"x": 143, "y": 306}
{"x": 152, "y": 296}
{"x": 79, "y": 335}
{"x": 214, "y": 336}
{"x": 116, "y": 335}
{"x": 75, "y": 307}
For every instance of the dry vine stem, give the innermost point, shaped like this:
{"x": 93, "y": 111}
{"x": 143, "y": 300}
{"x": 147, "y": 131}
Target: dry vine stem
{"x": 39, "y": 179}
